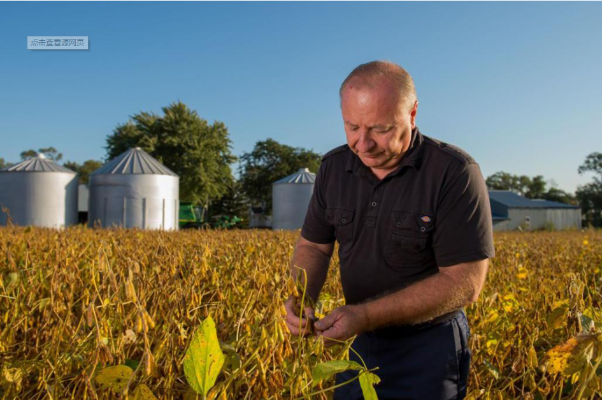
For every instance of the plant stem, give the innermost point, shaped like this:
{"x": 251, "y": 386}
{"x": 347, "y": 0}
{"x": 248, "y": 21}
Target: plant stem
{"x": 352, "y": 349}
{"x": 583, "y": 385}
{"x": 339, "y": 385}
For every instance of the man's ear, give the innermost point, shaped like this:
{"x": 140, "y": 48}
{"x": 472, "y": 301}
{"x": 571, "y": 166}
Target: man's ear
{"x": 413, "y": 113}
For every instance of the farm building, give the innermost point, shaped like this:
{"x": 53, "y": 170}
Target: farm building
{"x": 38, "y": 192}
{"x": 511, "y": 211}
{"x": 134, "y": 191}
{"x": 258, "y": 218}
{"x": 290, "y": 198}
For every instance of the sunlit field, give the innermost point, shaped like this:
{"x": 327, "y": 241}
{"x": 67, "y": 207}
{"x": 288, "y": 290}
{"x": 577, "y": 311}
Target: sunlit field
{"x": 111, "y": 314}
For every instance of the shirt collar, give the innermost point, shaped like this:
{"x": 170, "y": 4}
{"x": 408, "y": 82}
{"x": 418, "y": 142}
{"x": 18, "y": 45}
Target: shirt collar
{"x": 412, "y": 158}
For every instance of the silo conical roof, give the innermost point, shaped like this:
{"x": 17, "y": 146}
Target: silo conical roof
{"x": 134, "y": 161}
{"x": 301, "y": 176}
{"x": 38, "y": 164}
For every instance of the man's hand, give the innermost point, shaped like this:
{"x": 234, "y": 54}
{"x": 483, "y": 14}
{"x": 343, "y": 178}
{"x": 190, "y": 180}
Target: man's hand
{"x": 342, "y": 323}
{"x": 298, "y": 326}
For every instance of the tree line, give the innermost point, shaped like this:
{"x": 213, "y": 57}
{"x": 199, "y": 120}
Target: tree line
{"x": 201, "y": 154}
{"x": 588, "y": 197}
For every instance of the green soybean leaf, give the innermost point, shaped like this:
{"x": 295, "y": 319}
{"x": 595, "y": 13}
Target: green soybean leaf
{"x": 587, "y": 323}
{"x": 327, "y": 369}
{"x": 142, "y": 392}
{"x": 13, "y": 278}
{"x": 204, "y": 358}
{"x": 133, "y": 364}
{"x": 232, "y": 358}
{"x": 367, "y": 382}
{"x": 595, "y": 315}
{"x": 556, "y": 317}
{"x": 115, "y": 378}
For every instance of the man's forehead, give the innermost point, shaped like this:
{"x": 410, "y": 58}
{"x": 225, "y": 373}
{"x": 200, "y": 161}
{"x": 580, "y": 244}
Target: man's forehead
{"x": 363, "y": 101}
{"x": 358, "y": 91}
{"x": 371, "y": 83}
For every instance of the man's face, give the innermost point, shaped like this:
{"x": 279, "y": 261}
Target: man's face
{"x": 377, "y": 124}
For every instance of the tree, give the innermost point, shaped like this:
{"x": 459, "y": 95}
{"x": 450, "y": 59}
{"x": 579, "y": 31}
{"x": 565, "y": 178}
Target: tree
{"x": 84, "y": 170}
{"x": 134, "y": 133}
{"x": 536, "y": 187}
{"x": 4, "y": 164}
{"x": 49, "y": 152}
{"x": 590, "y": 195}
{"x": 233, "y": 203}
{"x": 531, "y": 188}
{"x": 523, "y": 185}
{"x": 197, "y": 151}
{"x": 593, "y": 163}
{"x": 590, "y": 200}
{"x": 505, "y": 181}
{"x": 268, "y": 162}
{"x": 555, "y": 194}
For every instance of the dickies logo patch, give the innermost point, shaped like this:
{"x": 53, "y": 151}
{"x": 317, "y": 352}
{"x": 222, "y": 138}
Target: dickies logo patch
{"x": 426, "y": 219}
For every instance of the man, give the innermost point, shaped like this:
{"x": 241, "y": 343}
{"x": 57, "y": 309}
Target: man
{"x": 412, "y": 218}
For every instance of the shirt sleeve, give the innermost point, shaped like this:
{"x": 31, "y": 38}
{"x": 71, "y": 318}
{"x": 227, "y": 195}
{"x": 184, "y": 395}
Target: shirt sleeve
{"x": 316, "y": 228}
{"x": 463, "y": 230}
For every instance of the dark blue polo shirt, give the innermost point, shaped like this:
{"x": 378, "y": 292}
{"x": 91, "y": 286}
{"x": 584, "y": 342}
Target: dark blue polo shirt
{"x": 432, "y": 211}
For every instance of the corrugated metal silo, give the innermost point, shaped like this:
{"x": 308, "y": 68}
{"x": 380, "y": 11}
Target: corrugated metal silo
{"x": 134, "y": 191}
{"x": 39, "y": 192}
{"x": 290, "y": 198}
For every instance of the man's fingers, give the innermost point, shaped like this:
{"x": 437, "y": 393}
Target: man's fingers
{"x": 326, "y": 322}
{"x": 328, "y": 328}
{"x": 295, "y": 320}
{"x": 294, "y": 329}
{"x": 330, "y": 334}
{"x": 296, "y": 325}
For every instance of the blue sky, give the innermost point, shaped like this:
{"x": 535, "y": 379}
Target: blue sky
{"x": 517, "y": 85}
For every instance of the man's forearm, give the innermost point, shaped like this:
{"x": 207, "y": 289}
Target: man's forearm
{"x": 417, "y": 303}
{"x": 315, "y": 263}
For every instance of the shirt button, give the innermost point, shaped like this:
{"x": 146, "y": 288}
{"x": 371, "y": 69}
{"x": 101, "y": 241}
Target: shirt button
{"x": 343, "y": 220}
{"x": 373, "y": 204}
{"x": 398, "y": 224}
{"x": 422, "y": 229}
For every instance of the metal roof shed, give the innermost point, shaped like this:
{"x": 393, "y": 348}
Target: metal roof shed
{"x": 511, "y": 211}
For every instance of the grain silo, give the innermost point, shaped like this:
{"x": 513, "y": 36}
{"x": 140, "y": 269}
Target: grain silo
{"x": 38, "y": 192}
{"x": 290, "y": 198}
{"x": 134, "y": 191}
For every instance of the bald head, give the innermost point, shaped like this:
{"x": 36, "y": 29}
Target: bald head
{"x": 382, "y": 73}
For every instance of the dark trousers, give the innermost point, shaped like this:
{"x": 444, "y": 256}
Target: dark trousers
{"x": 430, "y": 363}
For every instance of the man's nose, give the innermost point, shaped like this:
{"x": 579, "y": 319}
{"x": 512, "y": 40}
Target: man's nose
{"x": 364, "y": 142}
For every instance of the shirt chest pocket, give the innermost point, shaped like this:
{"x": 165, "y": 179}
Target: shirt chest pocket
{"x": 409, "y": 243}
{"x": 342, "y": 219}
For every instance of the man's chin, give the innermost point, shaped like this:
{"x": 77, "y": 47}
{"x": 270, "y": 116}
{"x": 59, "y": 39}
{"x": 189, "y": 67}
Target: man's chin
{"x": 371, "y": 161}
